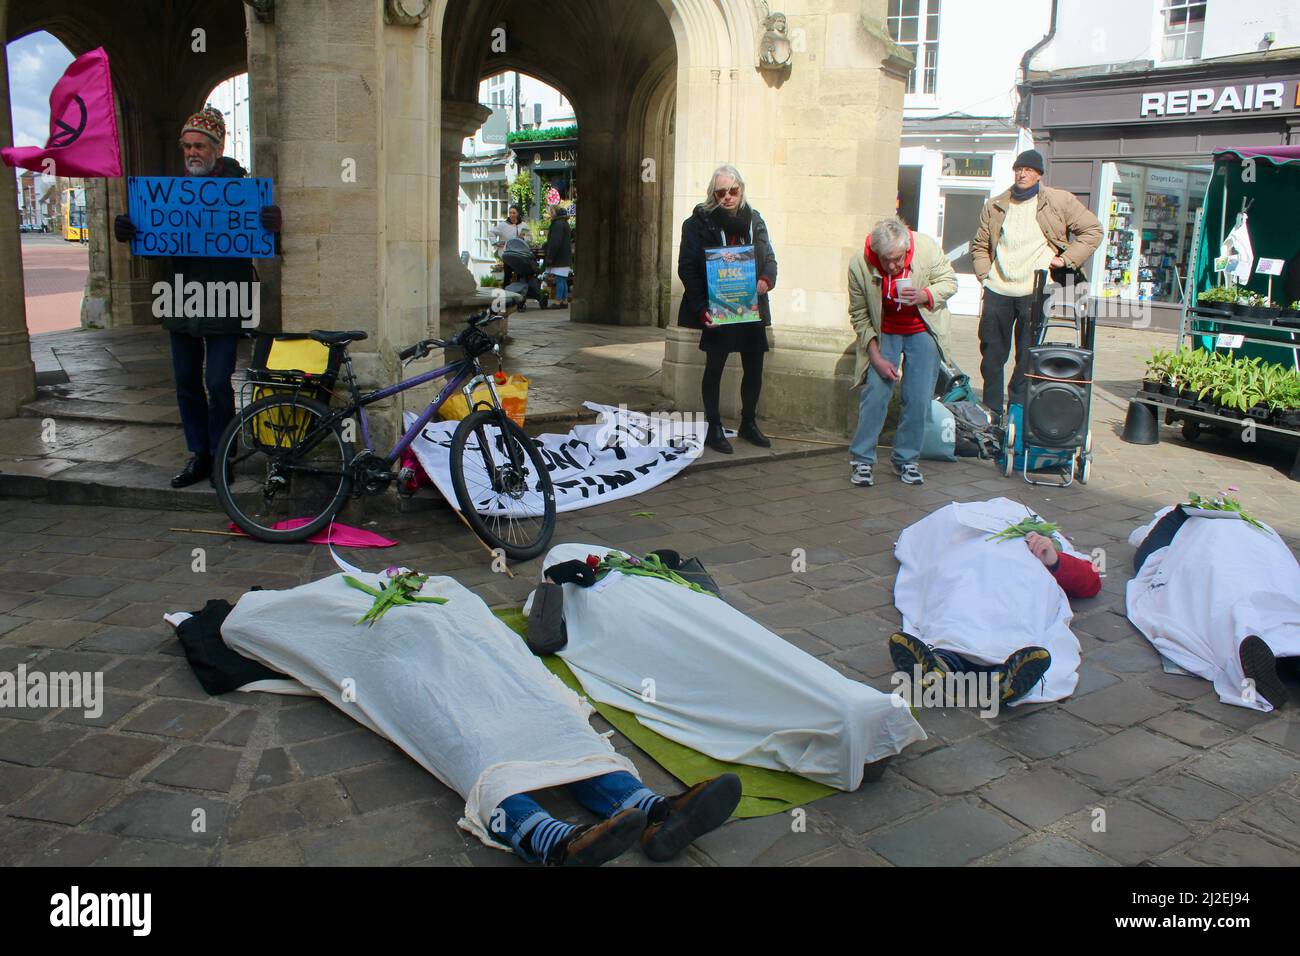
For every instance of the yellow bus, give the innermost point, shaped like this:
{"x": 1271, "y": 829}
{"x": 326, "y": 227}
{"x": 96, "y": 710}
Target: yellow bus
{"x": 74, "y": 214}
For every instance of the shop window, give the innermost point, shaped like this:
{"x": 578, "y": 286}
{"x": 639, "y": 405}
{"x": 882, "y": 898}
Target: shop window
{"x": 915, "y": 25}
{"x": 492, "y": 206}
{"x": 1148, "y": 213}
{"x": 1184, "y": 29}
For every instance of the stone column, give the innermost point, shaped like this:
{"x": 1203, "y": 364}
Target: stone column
{"x": 460, "y": 118}
{"x": 17, "y": 375}
{"x": 819, "y": 153}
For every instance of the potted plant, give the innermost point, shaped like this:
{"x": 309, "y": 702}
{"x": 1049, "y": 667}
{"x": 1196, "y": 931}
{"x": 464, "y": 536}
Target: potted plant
{"x": 1217, "y": 300}
{"x": 1172, "y": 371}
{"x": 1290, "y": 316}
{"x": 1157, "y": 371}
{"x": 1253, "y": 305}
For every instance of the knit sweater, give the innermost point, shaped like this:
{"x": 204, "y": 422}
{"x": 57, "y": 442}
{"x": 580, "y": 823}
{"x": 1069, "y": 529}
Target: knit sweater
{"x": 1022, "y": 249}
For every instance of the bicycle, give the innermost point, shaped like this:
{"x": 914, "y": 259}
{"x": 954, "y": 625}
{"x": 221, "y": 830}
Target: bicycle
{"x": 297, "y": 453}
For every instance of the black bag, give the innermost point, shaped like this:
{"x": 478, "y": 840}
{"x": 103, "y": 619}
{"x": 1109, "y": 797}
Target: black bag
{"x": 547, "y": 633}
{"x": 691, "y": 569}
{"x": 218, "y": 668}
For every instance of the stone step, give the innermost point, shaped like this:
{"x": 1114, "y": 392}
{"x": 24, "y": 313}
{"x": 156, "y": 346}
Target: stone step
{"x": 131, "y": 465}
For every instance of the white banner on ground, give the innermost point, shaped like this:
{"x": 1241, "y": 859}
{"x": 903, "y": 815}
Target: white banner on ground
{"x": 625, "y": 453}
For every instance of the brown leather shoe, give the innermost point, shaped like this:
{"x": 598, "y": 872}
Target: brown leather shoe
{"x": 599, "y": 843}
{"x": 678, "y": 821}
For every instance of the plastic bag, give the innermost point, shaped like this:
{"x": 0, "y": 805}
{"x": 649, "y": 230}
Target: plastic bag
{"x": 513, "y": 395}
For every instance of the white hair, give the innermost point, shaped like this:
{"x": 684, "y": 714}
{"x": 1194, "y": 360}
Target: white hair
{"x": 890, "y": 236}
{"x": 730, "y": 172}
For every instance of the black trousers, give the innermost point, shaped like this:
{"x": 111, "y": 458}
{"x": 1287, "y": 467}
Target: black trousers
{"x": 1005, "y": 321}
{"x": 751, "y": 384}
{"x": 204, "y": 415}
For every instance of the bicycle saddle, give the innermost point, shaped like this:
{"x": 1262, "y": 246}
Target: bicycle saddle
{"x": 337, "y": 338}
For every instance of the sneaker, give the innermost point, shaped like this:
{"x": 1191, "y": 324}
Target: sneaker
{"x": 1022, "y": 670}
{"x": 599, "y": 843}
{"x": 676, "y": 822}
{"x": 1260, "y": 666}
{"x": 860, "y": 475}
{"x": 910, "y": 474}
{"x": 908, "y": 653}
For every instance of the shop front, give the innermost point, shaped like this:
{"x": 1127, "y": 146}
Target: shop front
{"x": 1136, "y": 149}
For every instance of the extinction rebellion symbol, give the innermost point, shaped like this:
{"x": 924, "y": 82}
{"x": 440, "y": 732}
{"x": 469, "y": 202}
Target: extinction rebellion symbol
{"x": 66, "y": 135}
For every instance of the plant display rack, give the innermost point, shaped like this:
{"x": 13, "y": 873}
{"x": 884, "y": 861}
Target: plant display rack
{"x": 1198, "y": 415}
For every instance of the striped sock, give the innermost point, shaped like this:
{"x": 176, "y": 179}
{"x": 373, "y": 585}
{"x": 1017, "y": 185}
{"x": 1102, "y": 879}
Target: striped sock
{"x": 643, "y": 800}
{"x": 543, "y": 837}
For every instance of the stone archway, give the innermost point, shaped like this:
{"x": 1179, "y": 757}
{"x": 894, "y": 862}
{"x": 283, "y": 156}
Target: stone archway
{"x": 616, "y": 64}
{"x": 158, "y": 75}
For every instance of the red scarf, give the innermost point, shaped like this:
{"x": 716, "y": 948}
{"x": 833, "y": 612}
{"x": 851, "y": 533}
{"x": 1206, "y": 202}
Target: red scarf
{"x": 896, "y": 318}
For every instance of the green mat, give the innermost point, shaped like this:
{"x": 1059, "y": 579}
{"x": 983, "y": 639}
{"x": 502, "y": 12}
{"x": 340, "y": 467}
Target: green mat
{"x": 764, "y": 792}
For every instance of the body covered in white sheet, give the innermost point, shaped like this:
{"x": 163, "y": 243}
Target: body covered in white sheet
{"x": 694, "y": 669}
{"x": 959, "y": 591}
{"x": 449, "y": 684}
{"x": 1218, "y": 582}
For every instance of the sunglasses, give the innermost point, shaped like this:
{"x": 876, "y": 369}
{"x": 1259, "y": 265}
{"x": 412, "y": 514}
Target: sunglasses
{"x": 733, "y": 191}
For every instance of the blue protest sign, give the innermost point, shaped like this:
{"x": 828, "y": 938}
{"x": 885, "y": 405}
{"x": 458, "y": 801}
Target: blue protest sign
{"x": 208, "y": 216}
{"x": 733, "y": 285}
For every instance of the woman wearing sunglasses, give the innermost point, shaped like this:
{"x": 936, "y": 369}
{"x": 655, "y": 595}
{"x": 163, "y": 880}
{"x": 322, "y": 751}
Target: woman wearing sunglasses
{"x": 726, "y": 219}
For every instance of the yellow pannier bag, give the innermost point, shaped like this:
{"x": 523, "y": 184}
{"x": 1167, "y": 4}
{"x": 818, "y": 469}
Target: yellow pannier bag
{"x": 289, "y": 364}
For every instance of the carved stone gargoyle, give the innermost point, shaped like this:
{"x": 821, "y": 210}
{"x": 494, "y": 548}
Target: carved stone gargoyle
{"x": 774, "y": 52}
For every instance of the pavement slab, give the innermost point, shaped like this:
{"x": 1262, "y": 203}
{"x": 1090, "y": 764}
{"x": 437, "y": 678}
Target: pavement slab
{"x": 86, "y": 573}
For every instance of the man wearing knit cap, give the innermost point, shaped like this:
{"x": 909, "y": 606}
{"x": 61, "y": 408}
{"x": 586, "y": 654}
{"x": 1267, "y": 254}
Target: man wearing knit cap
{"x": 205, "y": 340}
{"x": 1029, "y": 228}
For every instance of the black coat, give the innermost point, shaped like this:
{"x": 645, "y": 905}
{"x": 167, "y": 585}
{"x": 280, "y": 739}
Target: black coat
{"x": 700, "y": 232}
{"x": 215, "y": 269}
{"x": 559, "y": 249}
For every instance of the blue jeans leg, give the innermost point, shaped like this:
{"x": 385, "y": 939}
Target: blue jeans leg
{"x": 561, "y": 287}
{"x": 609, "y": 793}
{"x": 873, "y": 404}
{"x": 920, "y": 369}
{"x": 512, "y": 821}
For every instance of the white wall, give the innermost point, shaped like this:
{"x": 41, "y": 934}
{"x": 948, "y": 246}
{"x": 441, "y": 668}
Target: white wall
{"x": 1096, "y": 32}
{"x": 556, "y": 110}
{"x": 1239, "y": 26}
{"x": 980, "y": 47}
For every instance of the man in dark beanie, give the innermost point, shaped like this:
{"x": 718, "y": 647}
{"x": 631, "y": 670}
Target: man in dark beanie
{"x": 205, "y": 339}
{"x": 1029, "y": 228}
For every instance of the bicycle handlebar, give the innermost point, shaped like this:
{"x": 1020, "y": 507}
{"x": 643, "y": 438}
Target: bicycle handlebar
{"x": 423, "y": 348}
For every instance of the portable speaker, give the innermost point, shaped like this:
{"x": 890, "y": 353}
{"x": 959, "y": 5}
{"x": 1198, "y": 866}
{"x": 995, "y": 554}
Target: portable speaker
{"x": 1058, "y": 393}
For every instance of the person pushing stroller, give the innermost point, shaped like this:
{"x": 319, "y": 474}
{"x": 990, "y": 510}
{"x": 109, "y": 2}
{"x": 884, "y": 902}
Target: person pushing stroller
{"x": 519, "y": 259}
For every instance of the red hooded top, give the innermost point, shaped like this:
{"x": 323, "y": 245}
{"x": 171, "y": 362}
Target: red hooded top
{"x": 897, "y": 318}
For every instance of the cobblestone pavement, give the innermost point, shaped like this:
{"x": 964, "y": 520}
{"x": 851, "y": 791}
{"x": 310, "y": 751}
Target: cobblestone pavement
{"x": 1182, "y": 778}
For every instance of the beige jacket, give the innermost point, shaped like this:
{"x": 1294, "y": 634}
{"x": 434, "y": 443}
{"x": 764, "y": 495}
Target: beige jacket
{"x": 930, "y": 270}
{"x": 1060, "y": 216}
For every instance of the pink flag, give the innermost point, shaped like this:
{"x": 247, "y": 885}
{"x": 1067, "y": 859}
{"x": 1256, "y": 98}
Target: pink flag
{"x": 83, "y": 127}
{"x": 345, "y": 536}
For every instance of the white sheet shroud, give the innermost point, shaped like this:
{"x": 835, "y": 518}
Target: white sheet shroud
{"x": 1220, "y": 581}
{"x": 722, "y": 683}
{"x": 985, "y": 599}
{"x": 449, "y": 684}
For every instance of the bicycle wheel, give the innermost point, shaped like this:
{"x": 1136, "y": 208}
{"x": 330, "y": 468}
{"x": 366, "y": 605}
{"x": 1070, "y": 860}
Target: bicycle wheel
{"x": 502, "y": 485}
{"x": 285, "y": 466}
